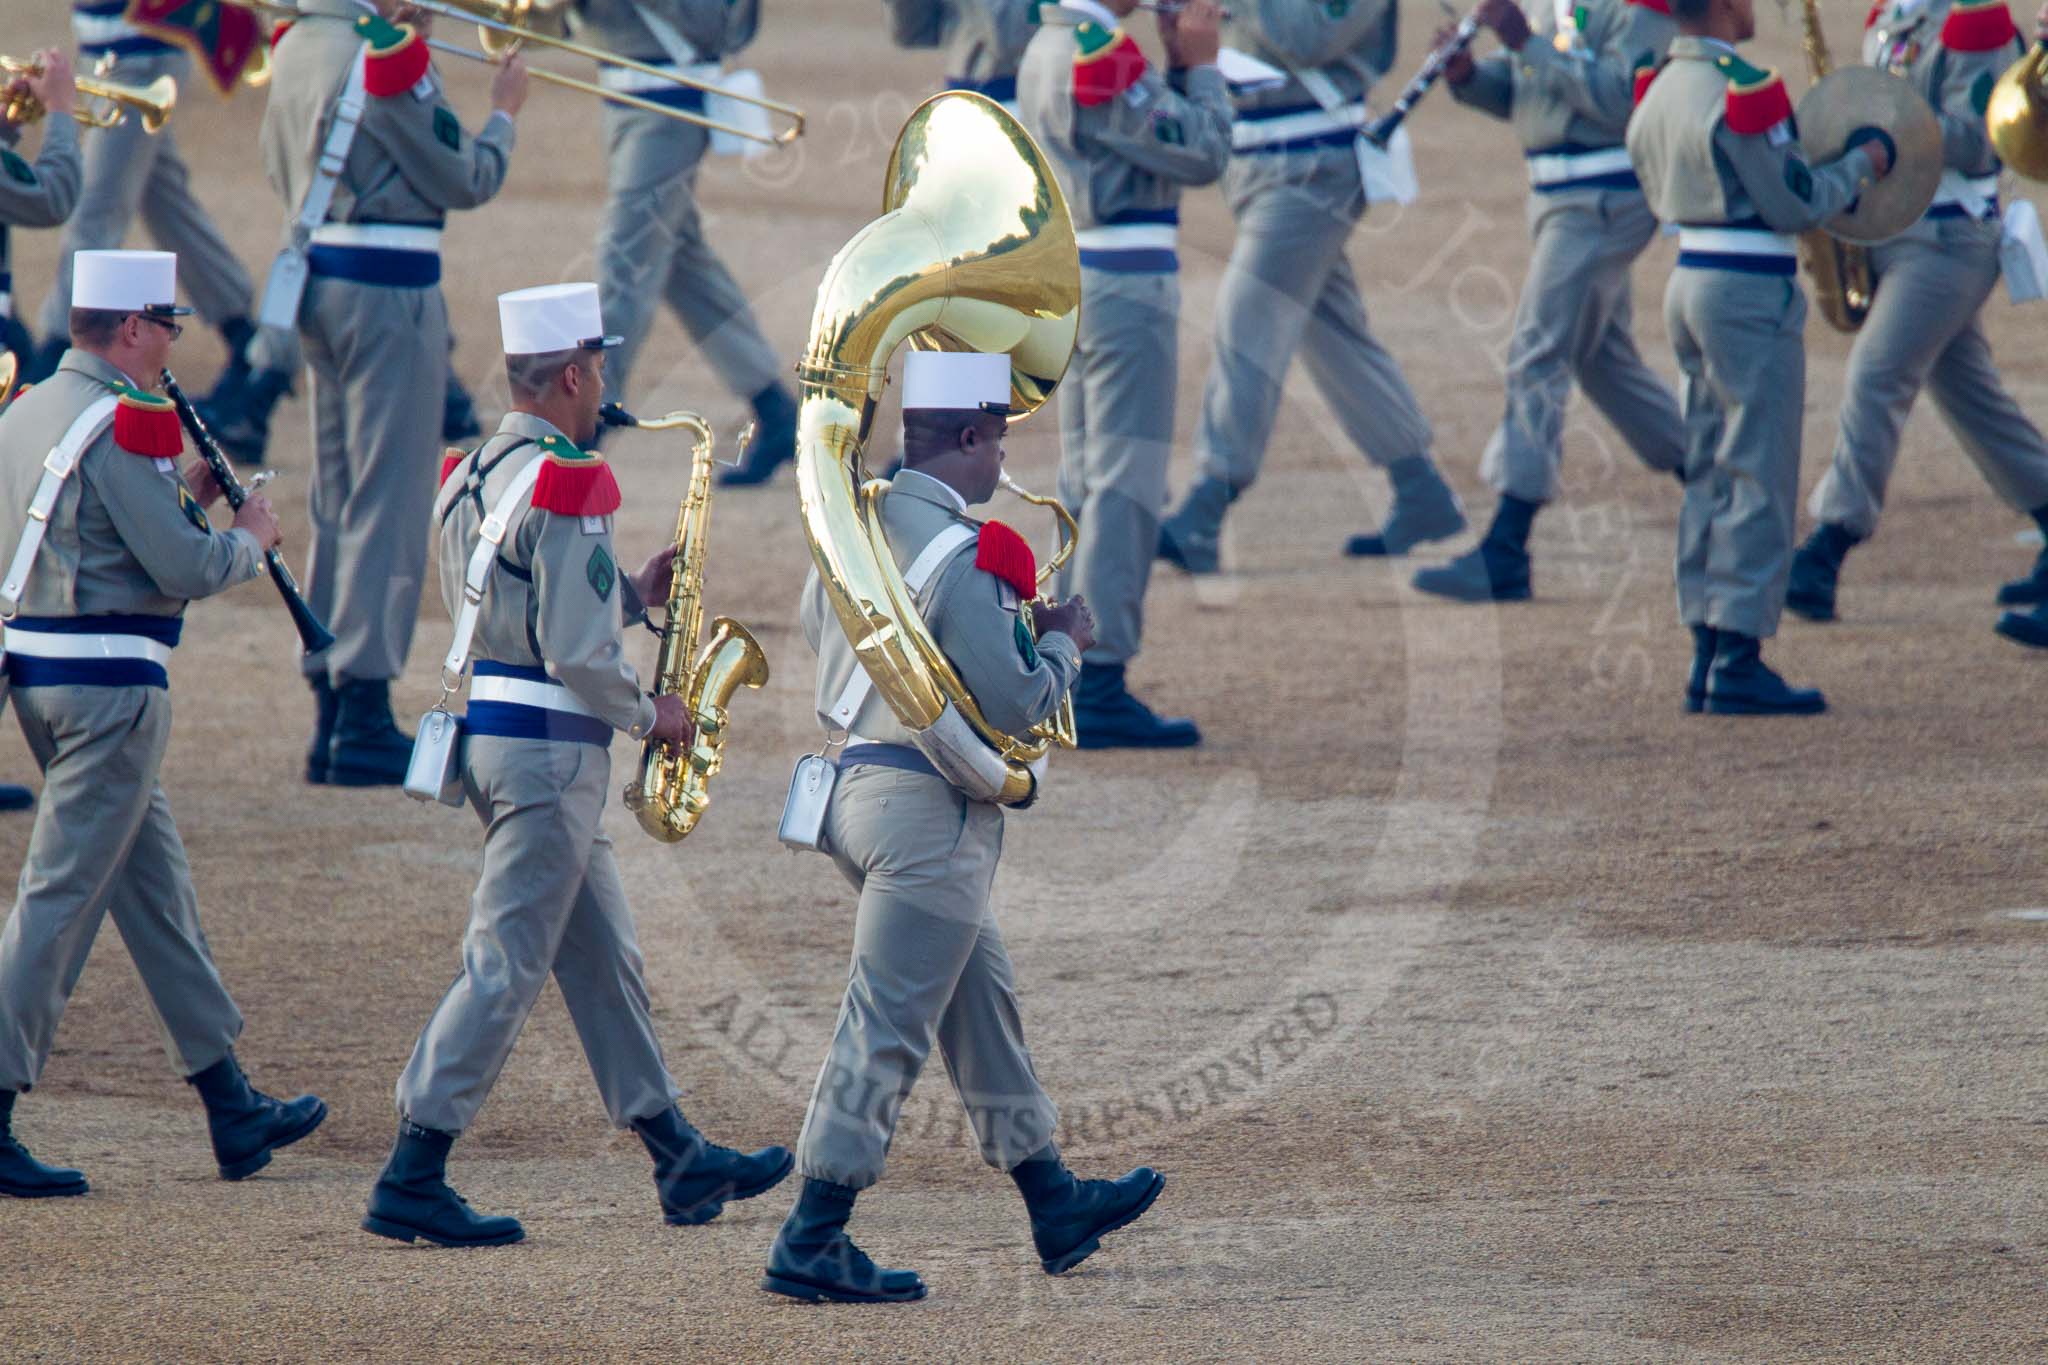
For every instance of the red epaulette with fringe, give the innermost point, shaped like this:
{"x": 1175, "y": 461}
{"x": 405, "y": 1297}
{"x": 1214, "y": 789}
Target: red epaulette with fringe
{"x": 450, "y": 458}
{"x": 279, "y": 31}
{"x": 1979, "y": 26}
{"x": 1759, "y": 105}
{"x": 574, "y": 483}
{"x": 1007, "y": 555}
{"x": 398, "y": 57}
{"x": 1645, "y": 75}
{"x": 147, "y": 425}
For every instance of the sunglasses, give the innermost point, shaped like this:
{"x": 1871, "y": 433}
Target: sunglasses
{"x": 176, "y": 329}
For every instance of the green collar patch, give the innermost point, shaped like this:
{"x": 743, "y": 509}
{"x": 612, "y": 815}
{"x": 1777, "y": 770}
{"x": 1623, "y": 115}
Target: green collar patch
{"x": 562, "y": 448}
{"x": 140, "y": 397}
{"x": 379, "y": 32}
{"x": 17, "y": 169}
{"x": 1739, "y": 71}
{"x": 1093, "y": 37}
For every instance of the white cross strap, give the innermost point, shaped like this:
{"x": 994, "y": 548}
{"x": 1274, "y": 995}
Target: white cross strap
{"x": 479, "y": 572}
{"x": 936, "y": 552}
{"x": 57, "y": 467}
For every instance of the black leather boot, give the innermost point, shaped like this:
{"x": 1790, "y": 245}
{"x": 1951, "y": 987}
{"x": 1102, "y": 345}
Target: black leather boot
{"x": 696, "y": 1177}
{"x": 247, "y": 1125}
{"x": 1107, "y": 716}
{"x": 1069, "y": 1217}
{"x": 2033, "y": 589}
{"x": 1424, "y": 509}
{"x": 325, "y": 704}
{"x": 21, "y": 1175}
{"x": 1494, "y": 570}
{"x": 2029, "y": 628}
{"x": 368, "y": 748}
{"x": 412, "y": 1200}
{"x": 240, "y": 420}
{"x": 1705, "y": 642}
{"x": 458, "y": 412}
{"x": 1742, "y": 684}
{"x": 1816, "y": 567}
{"x": 1191, "y": 538}
{"x": 235, "y": 335}
{"x": 774, "y": 443}
{"x": 16, "y": 797}
{"x": 814, "y": 1259}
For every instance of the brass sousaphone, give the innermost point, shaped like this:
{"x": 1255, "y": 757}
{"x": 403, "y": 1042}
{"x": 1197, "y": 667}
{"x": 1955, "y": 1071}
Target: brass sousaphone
{"x": 2017, "y": 114}
{"x": 974, "y": 250}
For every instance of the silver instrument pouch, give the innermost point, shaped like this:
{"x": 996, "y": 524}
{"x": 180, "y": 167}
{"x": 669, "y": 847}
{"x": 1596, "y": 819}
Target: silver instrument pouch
{"x": 953, "y": 747}
{"x": 435, "y": 772}
{"x": 810, "y": 795}
{"x": 2022, "y": 255}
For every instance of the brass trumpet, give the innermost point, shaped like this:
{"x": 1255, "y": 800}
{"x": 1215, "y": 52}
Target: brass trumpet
{"x": 503, "y": 26}
{"x": 153, "y": 102}
{"x": 2017, "y": 115}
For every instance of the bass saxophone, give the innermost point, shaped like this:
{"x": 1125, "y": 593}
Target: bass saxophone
{"x": 673, "y": 789}
{"x": 1842, "y": 284}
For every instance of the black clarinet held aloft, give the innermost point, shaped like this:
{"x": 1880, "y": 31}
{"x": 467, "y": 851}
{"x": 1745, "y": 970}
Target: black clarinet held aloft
{"x": 312, "y": 633}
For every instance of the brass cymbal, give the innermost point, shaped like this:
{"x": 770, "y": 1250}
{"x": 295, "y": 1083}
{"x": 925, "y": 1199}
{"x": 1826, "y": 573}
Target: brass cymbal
{"x": 1864, "y": 97}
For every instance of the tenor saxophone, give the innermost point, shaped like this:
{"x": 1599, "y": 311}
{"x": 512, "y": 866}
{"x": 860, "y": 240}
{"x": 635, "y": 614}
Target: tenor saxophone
{"x": 673, "y": 789}
{"x": 1842, "y": 285}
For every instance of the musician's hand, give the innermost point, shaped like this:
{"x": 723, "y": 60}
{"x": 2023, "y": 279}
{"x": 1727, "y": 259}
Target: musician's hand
{"x": 199, "y": 478}
{"x": 1458, "y": 69}
{"x": 1070, "y": 618}
{"x": 1875, "y": 147}
{"x": 671, "y": 721}
{"x": 2041, "y": 24}
{"x": 53, "y": 87}
{"x": 421, "y": 21}
{"x": 257, "y": 518}
{"x": 1191, "y": 33}
{"x": 653, "y": 579}
{"x": 1506, "y": 19}
{"x": 508, "y": 86}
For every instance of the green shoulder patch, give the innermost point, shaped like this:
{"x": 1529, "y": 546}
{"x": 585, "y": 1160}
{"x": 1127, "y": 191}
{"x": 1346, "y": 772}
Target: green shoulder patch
{"x": 194, "y": 513}
{"x": 1169, "y": 131}
{"x": 1798, "y": 179}
{"x": 601, "y": 574}
{"x": 448, "y": 128}
{"x": 1336, "y": 9}
{"x": 1027, "y": 645}
{"x": 17, "y": 169}
{"x": 1980, "y": 92}
{"x": 1739, "y": 71}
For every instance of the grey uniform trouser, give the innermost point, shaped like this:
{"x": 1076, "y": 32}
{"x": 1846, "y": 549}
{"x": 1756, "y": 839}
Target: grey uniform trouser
{"x": 127, "y": 171}
{"x": 1574, "y": 322}
{"x": 928, "y": 963}
{"x": 104, "y": 843}
{"x": 1923, "y": 329}
{"x": 1289, "y": 287}
{"x": 549, "y": 900}
{"x": 1116, "y": 436}
{"x": 379, "y": 362}
{"x": 651, "y": 248}
{"x": 1742, "y": 353}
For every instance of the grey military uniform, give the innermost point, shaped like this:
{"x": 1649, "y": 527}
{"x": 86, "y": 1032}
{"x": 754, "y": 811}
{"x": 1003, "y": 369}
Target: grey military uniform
{"x": 1933, "y": 279}
{"x": 928, "y": 958}
{"x": 1736, "y": 315}
{"x": 1289, "y": 286}
{"x": 549, "y": 898}
{"x": 1570, "y": 107}
{"x": 39, "y": 194}
{"x": 376, "y": 343}
{"x": 984, "y": 39}
{"x": 129, "y": 171}
{"x": 651, "y": 245}
{"x": 126, "y": 548}
{"x": 1122, "y": 164}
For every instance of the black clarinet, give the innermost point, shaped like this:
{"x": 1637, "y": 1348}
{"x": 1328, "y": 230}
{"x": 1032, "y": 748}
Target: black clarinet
{"x": 312, "y": 634}
{"x": 1384, "y": 127}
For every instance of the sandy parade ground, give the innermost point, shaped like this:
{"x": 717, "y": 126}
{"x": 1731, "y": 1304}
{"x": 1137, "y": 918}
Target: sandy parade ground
{"x": 1475, "y": 1002}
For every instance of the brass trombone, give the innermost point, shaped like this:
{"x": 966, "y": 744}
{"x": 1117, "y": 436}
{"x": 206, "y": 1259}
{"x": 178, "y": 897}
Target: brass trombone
{"x": 2017, "y": 114}
{"x": 153, "y": 102}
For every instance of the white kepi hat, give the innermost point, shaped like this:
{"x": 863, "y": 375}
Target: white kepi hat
{"x": 552, "y": 317}
{"x": 126, "y": 282}
{"x": 957, "y": 379}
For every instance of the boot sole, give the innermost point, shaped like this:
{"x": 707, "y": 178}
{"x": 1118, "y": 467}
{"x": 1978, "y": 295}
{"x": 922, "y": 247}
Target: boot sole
{"x": 1720, "y": 706}
{"x": 1067, "y": 1260}
{"x": 2026, "y": 634}
{"x": 1809, "y": 611}
{"x": 704, "y": 1213}
{"x": 362, "y": 777}
{"x": 249, "y": 1165}
{"x": 1450, "y": 594}
{"x": 2027, "y": 597}
{"x": 1086, "y": 741}
{"x": 402, "y": 1232}
{"x": 791, "y": 1287}
{"x": 46, "y": 1191}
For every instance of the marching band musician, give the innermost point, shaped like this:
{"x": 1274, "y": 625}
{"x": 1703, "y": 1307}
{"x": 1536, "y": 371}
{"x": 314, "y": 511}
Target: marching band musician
{"x": 1297, "y": 187}
{"x": 928, "y": 958}
{"x": 984, "y": 40}
{"x": 374, "y": 330}
{"x": 36, "y": 196}
{"x": 129, "y": 170}
{"x": 1124, "y": 140}
{"x": 1932, "y": 281}
{"x": 1714, "y": 144}
{"x": 651, "y": 246}
{"x": 1567, "y": 83}
{"x": 552, "y": 685}
{"x": 101, "y": 579}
